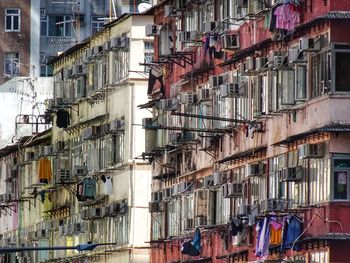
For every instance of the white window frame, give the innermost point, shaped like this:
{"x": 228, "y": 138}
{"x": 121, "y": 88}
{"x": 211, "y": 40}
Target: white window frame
{"x": 14, "y": 61}
{"x": 18, "y": 15}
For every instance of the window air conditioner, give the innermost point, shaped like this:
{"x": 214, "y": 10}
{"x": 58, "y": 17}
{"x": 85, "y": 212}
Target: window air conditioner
{"x": 260, "y": 63}
{"x": 152, "y": 30}
{"x": 307, "y": 44}
{"x": 209, "y": 26}
{"x": 232, "y": 190}
{"x": 218, "y": 178}
{"x": 255, "y": 169}
{"x": 216, "y": 81}
{"x": 229, "y": 90}
{"x": 168, "y": 10}
{"x": 187, "y": 98}
{"x": 119, "y": 42}
{"x": 208, "y": 181}
{"x": 291, "y": 174}
{"x": 203, "y": 94}
{"x": 80, "y": 170}
{"x": 306, "y": 151}
{"x": 167, "y": 193}
{"x": 293, "y": 55}
{"x": 249, "y": 64}
{"x": 168, "y": 104}
{"x": 47, "y": 150}
{"x": 116, "y": 125}
{"x": 156, "y": 207}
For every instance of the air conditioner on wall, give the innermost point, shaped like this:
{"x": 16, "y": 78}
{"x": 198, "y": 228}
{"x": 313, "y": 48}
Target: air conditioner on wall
{"x": 306, "y": 151}
{"x": 308, "y": 44}
{"x": 189, "y": 36}
{"x": 209, "y": 26}
{"x": 187, "y": 98}
{"x": 156, "y": 207}
{"x": 80, "y": 170}
{"x": 203, "y": 94}
{"x": 230, "y": 41}
{"x": 260, "y": 63}
{"x": 168, "y": 104}
{"x": 291, "y": 174}
{"x": 152, "y": 30}
{"x": 229, "y": 90}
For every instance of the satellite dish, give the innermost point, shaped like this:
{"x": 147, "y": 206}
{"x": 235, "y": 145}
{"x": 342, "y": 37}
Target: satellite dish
{"x": 143, "y": 7}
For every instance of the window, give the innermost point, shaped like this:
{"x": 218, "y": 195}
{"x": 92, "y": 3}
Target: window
{"x": 173, "y": 217}
{"x": 120, "y": 65}
{"x": 46, "y": 70}
{"x": 342, "y": 69}
{"x": 12, "y": 64}
{"x": 286, "y": 86}
{"x": 56, "y": 26}
{"x": 12, "y": 20}
{"x": 341, "y": 178}
{"x": 320, "y": 74}
{"x": 319, "y": 257}
{"x": 96, "y": 24}
{"x": 300, "y": 82}
{"x": 222, "y": 208}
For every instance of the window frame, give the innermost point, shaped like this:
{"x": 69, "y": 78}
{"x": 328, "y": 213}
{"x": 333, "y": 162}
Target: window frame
{"x": 12, "y": 16}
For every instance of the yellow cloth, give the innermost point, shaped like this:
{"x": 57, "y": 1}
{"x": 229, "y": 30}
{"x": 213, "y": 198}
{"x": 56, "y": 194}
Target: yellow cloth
{"x": 275, "y": 236}
{"x": 45, "y": 172}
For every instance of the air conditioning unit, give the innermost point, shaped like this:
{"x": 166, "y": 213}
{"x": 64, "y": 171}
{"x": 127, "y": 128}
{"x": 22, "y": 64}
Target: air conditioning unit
{"x": 189, "y": 36}
{"x": 40, "y": 151}
{"x": 187, "y": 98}
{"x": 208, "y": 181}
{"x": 306, "y": 151}
{"x": 255, "y": 169}
{"x": 229, "y": 90}
{"x": 77, "y": 70}
{"x": 95, "y": 212}
{"x": 184, "y": 187}
{"x": 119, "y": 42}
{"x": 175, "y": 189}
{"x": 250, "y": 64}
{"x": 97, "y": 51}
{"x": 156, "y": 207}
{"x": 63, "y": 176}
{"x": 167, "y": 193}
{"x": 307, "y": 44}
{"x": 42, "y": 233}
{"x": 174, "y": 137}
{"x": 230, "y": 41}
{"x": 68, "y": 230}
{"x": 218, "y": 178}
{"x": 291, "y": 174}
{"x": 91, "y": 132}
{"x": 87, "y": 55}
{"x": 152, "y": 30}
{"x": 146, "y": 122}
{"x": 209, "y": 26}
{"x": 80, "y": 170}
{"x": 117, "y": 125}
{"x": 203, "y": 94}
{"x": 105, "y": 211}
{"x": 246, "y": 209}
{"x": 276, "y": 59}
{"x": 232, "y": 190}
{"x": 107, "y": 45}
{"x": 268, "y": 205}
{"x": 260, "y": 63}
{"x": 293, "y": 55}
{"x": 216, "y": 81}
{"x": 168, "y": 104}
{"x": 241, "y": 69}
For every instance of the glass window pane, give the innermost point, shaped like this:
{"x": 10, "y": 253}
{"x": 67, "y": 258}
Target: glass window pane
{"x": 340, "y": 185}
{"x": 43, "y": 28}
{"x": 15, "y": 22}
{"x": 342, "y": 76}
{"x": 8, "y": 22}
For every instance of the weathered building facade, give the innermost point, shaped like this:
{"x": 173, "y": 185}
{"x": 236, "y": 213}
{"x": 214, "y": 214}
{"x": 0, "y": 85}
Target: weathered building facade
{"x": 84, "y": 180}
{"x": 250, "y": 129}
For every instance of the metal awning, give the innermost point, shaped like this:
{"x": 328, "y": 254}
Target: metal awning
{"x": 334, "y": 127}
{"x": 240, "y": 155}
{"x": 243, "y": 253}
{"x": 82, "y": 125}
{"x": 149, "y": 104}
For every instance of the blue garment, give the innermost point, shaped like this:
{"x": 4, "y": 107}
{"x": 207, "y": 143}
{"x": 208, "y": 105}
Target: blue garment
{"x": 89, "y": 188}
{"x": 263, "y": 238}
{"x": 192, "y": 247}
{"x": 292, "y": 230}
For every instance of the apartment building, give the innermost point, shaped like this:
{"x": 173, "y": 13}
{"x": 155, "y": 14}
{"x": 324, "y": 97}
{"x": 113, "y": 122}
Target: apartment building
{"x": 249, "y": 134}
{"x": 85, "y": 179}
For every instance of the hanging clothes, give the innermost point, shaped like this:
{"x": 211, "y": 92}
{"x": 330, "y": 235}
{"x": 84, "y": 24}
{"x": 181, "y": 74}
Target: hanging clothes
{"x": 44, "y": 171}
{"x": 276, "y": 232}
{"x": 192, "y": 247}
{"x": 291, "y": 231}
{"x": 287, "y": 17}
{"x": 155, "y": 75}
{"x": 62, "y": 120}
{"x": 108, "y": 185}
{"x": 263, "y": 238}
{"x": 80, "y": 192}
{"x": 89, "y": 188}
{"x": 235, "y": 227}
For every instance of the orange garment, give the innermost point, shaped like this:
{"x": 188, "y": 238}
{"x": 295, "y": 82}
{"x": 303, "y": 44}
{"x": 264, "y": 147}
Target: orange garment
{"x": 45, "y": 172}
{"x": 275, "y": 235}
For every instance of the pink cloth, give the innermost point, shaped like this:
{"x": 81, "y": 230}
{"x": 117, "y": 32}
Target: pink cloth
{"x": 286, "y": 17}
